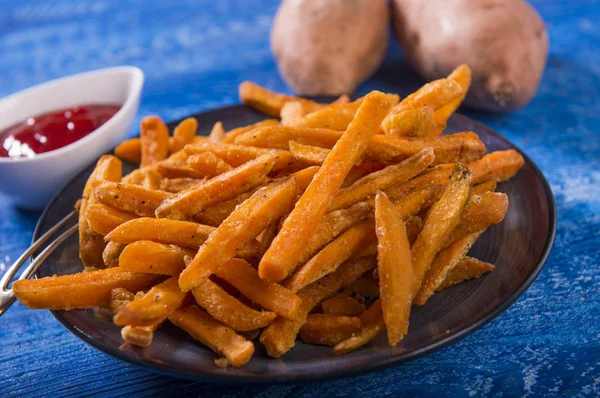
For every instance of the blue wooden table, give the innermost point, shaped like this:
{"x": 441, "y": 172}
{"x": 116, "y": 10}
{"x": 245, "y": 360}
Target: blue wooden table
{"x": 194, "y": 54}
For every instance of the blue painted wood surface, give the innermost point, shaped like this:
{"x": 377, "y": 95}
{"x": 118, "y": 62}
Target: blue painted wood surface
{"x": 194, "y": 54}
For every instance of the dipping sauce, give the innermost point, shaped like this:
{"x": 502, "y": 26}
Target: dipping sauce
{"x": 45, "y": 133}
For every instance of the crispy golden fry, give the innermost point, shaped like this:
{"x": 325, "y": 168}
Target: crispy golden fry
{"x": 174, "y": 185}
{"x": 326, "y": 329}
{"x": 467, "y": 268}
{"x": 103, "y": 219}
{"x": 395, "y": 269}
{"x": 186, "y": 204}
{"x": 333, "y": 255}
{"x": 443, "y": 263}
{"x": 82, "y": 290}
{"x": 140, "y": 336}
{"x": 267, "y": 101}
{"x": 91, "y": 244}
{"x": 343, "y": 305}
{"x": 152, "y": 180}
{"x": 237, "y": 155}
{"x": 214, "y": 215}
{"x": 154, "y": 140}
{"x": 277, "y": 263}
{"x": 229, "y": 310}
{"x": 360, "y": 171}
{"x": 462, "y": 76}
{"x": 498, "y": 166}
{"x": 414, "y": 225}
{"x": 178, "y": 171}
{"x": 305, "y": 176}
{"x": 412, "y": 122}
{"x": 119, "y": 298}
{"x": 153, "y": 258}
{"x": 138, "y": 175}
{"x": 208, "y": 164}
{"x": 217, "y": 133}
{"x": 382, "y": 179}
{"x": 292, "y": 112}
{"x": 242, "y": 226}
{"x": 332, "y": 117}
{"x": 152, "y": 307}
{"x": 231, "y": 135}
{"x": 111, "y": 254}
{"x": 266, "y": 237}
{"x": 170, "y": 232}
{"x": 443, "y": 218}
{"x": 212, "y": 333}
{"x": 130, "y": 150}
{"x": 308, "y": 154}
{"x": 269, "y": 295}
{"x": 480, "y": 212}
{"x": 183, "y": 134}
{"x": 459, "y": 147}
{"x": 341, "y": 100}
{"x": 130, "y": 198}
{"x": 484, "y": 187}
{"x": 372, "y": 325}
{"x": 279, "y": 337}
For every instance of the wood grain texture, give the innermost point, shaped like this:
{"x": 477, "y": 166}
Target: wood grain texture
{"x": 545, "y": 344}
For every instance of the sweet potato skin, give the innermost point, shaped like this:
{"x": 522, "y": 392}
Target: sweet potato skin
{"x": 507, "y": 68}
{"x": 329, "y": 47}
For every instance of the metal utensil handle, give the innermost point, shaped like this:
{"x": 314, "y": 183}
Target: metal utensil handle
{"x": 7, "y": 297}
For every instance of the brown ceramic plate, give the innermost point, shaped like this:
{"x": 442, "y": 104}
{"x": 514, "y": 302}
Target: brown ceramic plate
{"x": 518, "y": 247}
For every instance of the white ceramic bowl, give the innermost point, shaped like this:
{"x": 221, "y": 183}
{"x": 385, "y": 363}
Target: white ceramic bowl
{"x": 30, "y": 183}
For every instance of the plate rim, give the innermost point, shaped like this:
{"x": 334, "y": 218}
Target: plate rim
{"x": 344, "y": 372}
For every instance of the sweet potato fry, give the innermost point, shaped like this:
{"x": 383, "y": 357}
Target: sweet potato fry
{"x": 244, "y": 224}
{"x": 382, "y": 179}
{"x": 183, "y": 134}
{"x": 394, "y": 264}
{"x": 130, "y": 150}
{"x": 372, "y": 325}
{"x": 91, "y": 244}
{"x": 484, "y": 187}
{"x": 217, "y": 133}
{"x": 130, "y": 198}
{"x": 119, "y": 298}
{"x": 462, "y": 76}
{"x": 277, "y": 263}
{"x": 443, "y": 218}
{"x": 305, "y": 176}
{"x": 140, "y": 336}
{"x": 267, "y": 101}
{"x": 333, "y": 255}
{"x": 231, "y": 135}
{"x": 269, "y": 295}
{"x": 498, "y": 166}
{"x": 214, "y": 215}
{"x": 178, "y": 171}
{"x": 237, "y": 155}
{"x": 467, "y": 268}
{"x": 341, "y": 100}
{"x": 212, "y": 333}
{"x": 480, "y": 212}
{"x": 174, "y": 185}
{"x": 443, "y": 263}
{"x": 103, "y": 219}
{"x": 308, "y": 154}
{"x": 325, "y": 329}
{"x": 154, "y": 140}
{"x": 331, "y": 117}
{"x": 152, "y": 307}
{"x": 137, "y": 176}
{"x": 186, "y": 204}
{"x": 208, "y": 164}
{"x": 229, "y": 310}
{"x": 292, "y": 112}
{"x": 111, "y": 254}
{"x": 360, "y": 171}
{"x": 343, "y": 305}
{"x": 412, "y": 122}
{"x": 365, "y": 286}
{"x": 152, "y": 180}
{"x": 82, "y": 290}
{"x": 153, "y": 258}
{"x": 279, "y": 337}
{"x": 266, "y": 236}
{"x": 170, "y": 232}
{"x": 459, "y": 147}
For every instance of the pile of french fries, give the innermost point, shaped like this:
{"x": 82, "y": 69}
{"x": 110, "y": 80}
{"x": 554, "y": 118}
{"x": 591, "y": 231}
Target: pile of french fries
{"x": 287, "y": 227}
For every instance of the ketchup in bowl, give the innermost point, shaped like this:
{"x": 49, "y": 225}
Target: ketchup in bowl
{"x": 45, "y": 133}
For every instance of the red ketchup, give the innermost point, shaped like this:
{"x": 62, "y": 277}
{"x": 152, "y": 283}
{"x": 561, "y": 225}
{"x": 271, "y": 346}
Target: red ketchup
{"x": 45, "y": 133}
